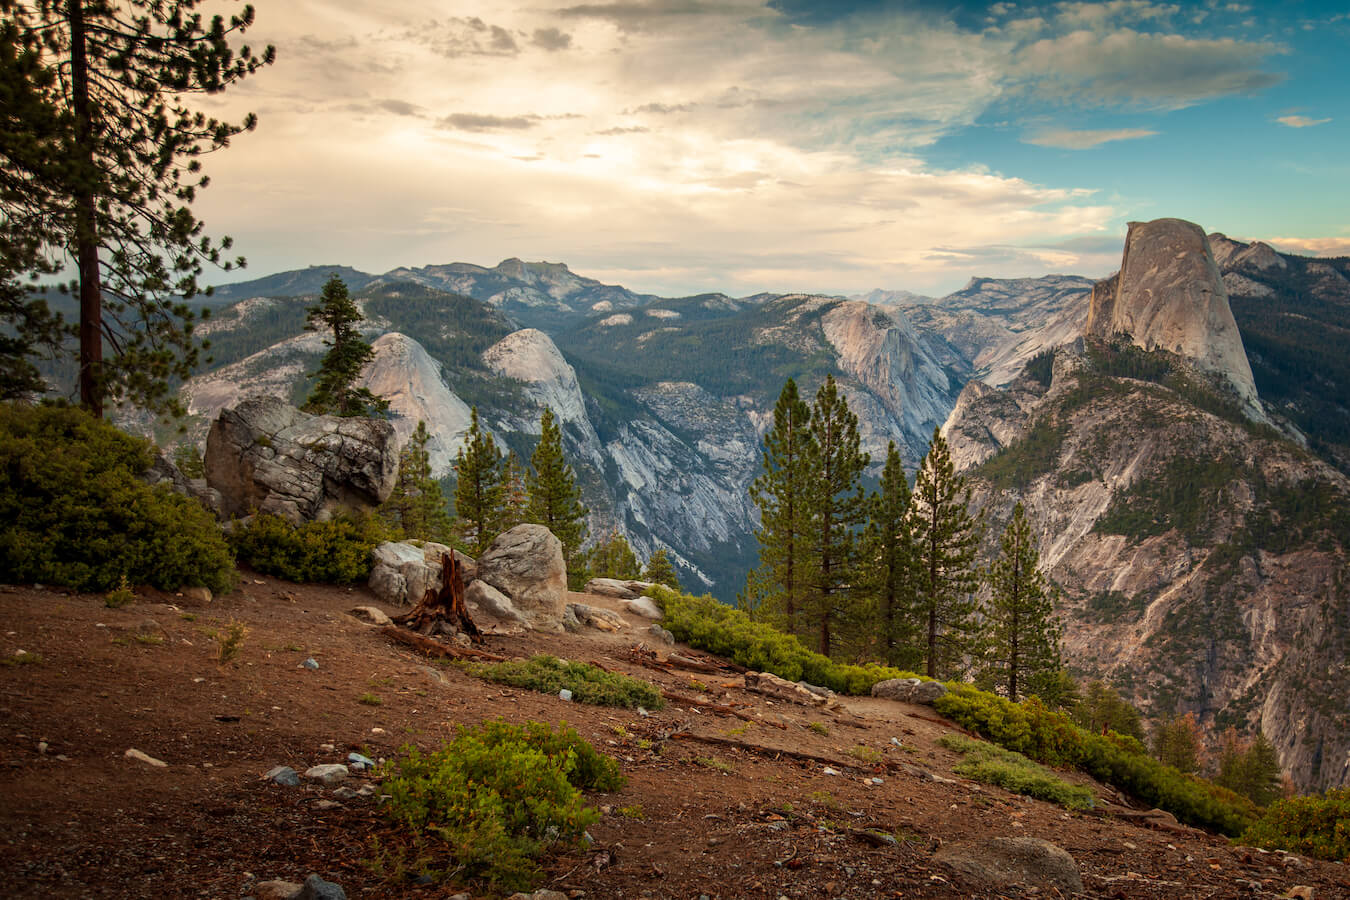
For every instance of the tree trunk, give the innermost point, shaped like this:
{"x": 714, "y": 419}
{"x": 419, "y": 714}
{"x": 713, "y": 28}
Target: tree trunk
{"x": 86, "y": 223}
{"x": 443, "y": 610}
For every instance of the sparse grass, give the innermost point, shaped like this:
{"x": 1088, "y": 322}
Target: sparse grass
{"x": 588, "y": 683}
{"x": 990, "y": 764}
{"x": 644, "y": 744}
{"x": 820, "y": 728}
{"x": 119, "y": 596}
{"x": 697, "y": 685}
{"x": 369, "y": 700}
{"x": 22, "y": 658}
{"x": 735, "y": 732}
{"x": 631, "y": 812}
{"x": 825, "y": 799}
{"x": 717, "y": 765}
{"x": 153, "y": 640}
{"x": 230, "y": 641}
{"x": 620, "y": 732}
{"x": 188, "y": 617}
{"x": 865, "y": 754}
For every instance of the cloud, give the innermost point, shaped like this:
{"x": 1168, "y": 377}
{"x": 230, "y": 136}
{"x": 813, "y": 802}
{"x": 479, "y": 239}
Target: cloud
{"x": 1329, "y": 246}
{"x": 659, "y": 109}
{"x": 1068, "y": 139}
{"x": 551, "y": 39}
{"x": 635, "y": 17}
{"x": 463, "y": 36}
{"x": 483, "y": 122}
{"x": 617, "y": 130}
{"x": 1166, "y": 71}
{"x": 1300, "y": 121}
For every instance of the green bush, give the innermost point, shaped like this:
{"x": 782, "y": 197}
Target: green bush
{"x": 706, "y": 624}
{"x": 332, "y": 552}
{"x": 74, "y": 511}
{"x": 498, "y": 796}
{"x": 990, "y": 764}
{"x": 588, "y": 683}
{"x": 1313, "y": 826}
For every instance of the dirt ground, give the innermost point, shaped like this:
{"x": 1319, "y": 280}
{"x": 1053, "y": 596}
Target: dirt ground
{"x": 79, "y": 819}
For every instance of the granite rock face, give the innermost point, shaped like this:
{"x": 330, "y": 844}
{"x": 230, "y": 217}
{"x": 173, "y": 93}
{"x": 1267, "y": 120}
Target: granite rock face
{"x": 526, "y": 564}
{"x": 264, "y": 455}
{"x": 1169, "y": 295}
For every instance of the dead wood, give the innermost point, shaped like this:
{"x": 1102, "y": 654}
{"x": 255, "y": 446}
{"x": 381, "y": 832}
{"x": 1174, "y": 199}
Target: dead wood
{"x": 443, "y": 610}
{"x": 433, "y": 647}
{"x": 761, "y": 750}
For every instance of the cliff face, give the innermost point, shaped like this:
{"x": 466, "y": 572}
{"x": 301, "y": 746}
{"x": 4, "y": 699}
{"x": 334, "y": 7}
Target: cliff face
{"x": 1170, "y": 296}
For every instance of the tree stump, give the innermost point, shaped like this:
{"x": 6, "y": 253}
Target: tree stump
{"x": 443, "y": 611}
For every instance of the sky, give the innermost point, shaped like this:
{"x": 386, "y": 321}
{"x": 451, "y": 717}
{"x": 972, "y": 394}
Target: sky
{"x": 682, "y": 146}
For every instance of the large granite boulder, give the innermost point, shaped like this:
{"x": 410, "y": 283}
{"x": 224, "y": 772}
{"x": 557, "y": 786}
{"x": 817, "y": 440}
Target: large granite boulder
{"x": 526, "y": 564}
{"x": 164, "y": 471}
{"x": 487, "y": 599}
{"x": 403, "y": 571}
{"x": 623, "y": 589}
{"x": 267, "y": 456}
{"x": 1002, "y": 864}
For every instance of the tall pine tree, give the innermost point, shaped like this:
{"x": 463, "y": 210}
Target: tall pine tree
{"x": 554, "y": 500}
{"x": 945, "y": 540}
{"x": 660, "y": 571}
{"x": 515, "y": 495}
{"x": 1022, "y": 632}
{"x": 109, "y": 168}
{"x": 889, "y": 565}
{"x": 774, "y": 591}
{"x": 417, "y": 506}
{"x": 836, "y": 507}
{"x": 479, "y": 490}
{"x": 613, "y": 557}
{"x": 335, "y": 390}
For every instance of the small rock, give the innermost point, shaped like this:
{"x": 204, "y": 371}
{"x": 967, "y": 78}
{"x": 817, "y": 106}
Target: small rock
{"x": 197, "y": 594}
{"x": 1000, "y": 863}
{"x": 43, "y": 746}
{"x": 310, "y": 663}
{"x": 564, "y": 694}
{"x": 829, "y": 771}
{"x": 327, "y": 748}
{"x": 371, "y": 615}
{"x": 1299, "y": 892}
{"x": 345, "y": 793}
{"x": 326, "y": 805}
{"x": 366, "y": 790}
{"x": 329, "y": 774}
{"x": 645, "y": 607}
{"x": 315, "y": 888}
{"x": 276, "y": 890}
{"x": 661, "y": 634}
{"x": 360, "y": 763}
{"x": 286, "y": 777}
{"x": 142, "y": 757}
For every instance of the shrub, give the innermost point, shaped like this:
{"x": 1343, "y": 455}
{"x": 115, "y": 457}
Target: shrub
{"x": 1316, "y": 826}
{"x": 74, "y": 511}
{"x": 230, "y": 641}
{"x": 588, "y": 683}
{"x": 1011, "y": 771}
{"x": 332, "y": 552}
{"x": 498, "y": 796}
{"x": 119, "y": 596}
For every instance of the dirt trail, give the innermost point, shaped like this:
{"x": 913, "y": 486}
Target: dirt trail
{"x": 699, "y": 816}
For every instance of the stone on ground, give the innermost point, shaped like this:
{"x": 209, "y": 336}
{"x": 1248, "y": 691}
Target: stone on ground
{"x": 493, "y": 602}
{"x": 646, "y": 608}
{"x": 137, "y": 755}
{"x": 370, "y": 614}
{"x": 1000, "y": 863}
{"x": 329, "y": 774}
{"x": 315, "y": 888}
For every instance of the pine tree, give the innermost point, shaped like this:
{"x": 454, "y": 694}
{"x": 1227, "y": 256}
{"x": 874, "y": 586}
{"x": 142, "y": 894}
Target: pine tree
{"x": 614, "y": 558}
{"x": 774, "y": 591}
{"x": 1102, "y": 708}
{"x": 554, "y": 500}
{"x": 1250, "y": 768}
{"x": 835, "y": 508}
{"x": 660, "y": 571}
{"x": 335, "y": 392}
{"x": 417, "y": 507}
{"x": 1022, "y": 631}
{"x": 515, "y": 495}
{"x": 479, "y": 490}
{"x": 107, "y": 171}
{"x": 945, "y": 539}
{"x": 29, "y": 329}
{"x": 889, "y": 564}
{"x": 1178, "y": 742}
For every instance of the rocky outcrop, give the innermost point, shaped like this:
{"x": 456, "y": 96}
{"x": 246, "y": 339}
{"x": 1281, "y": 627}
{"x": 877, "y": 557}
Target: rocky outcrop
{"x": 403, "y": 571}
{"x": 493, "y": 602}
{"x": 1169, "y": 295}
{"x": 403, "y": 373}
{"x": 267, "y": 456}
{"x": 526, "y": 564}
{"x": 530, "y": 357}
{"x": 615, "y": 587}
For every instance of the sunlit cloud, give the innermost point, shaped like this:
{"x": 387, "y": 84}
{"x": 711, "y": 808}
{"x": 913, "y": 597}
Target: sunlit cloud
{"x": 1300, "y": 121}
{"x": 1069, "y": 139}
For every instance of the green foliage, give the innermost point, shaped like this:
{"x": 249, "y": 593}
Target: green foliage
{"x": 335, "y": 390}
{"x": 1050, "y": 737}
{"x": 660, "y": 571}
{"x": 1178, "y": 742}
{"x": 946, "y": 537}
{"x": 28, "y": 329}
{"x": 554, "y": 500}
{"x": 74, "y": 511}
{"x": 515, "y": 496}
{"x": 1021, "y": 630}
{"x": 1041, "y": 368}
{"x": 188, "y": 459}
{"x": 588, "y": 683}
{"x": 1250, "y": 768}
{"x": 1026, "y": 459}
{"x": 479, "y": 491}
{"x": 1183, "y": 495}
{"x": 1102, "y": 708}
{"x": 416, "y": 508}
{"x": 888, "y": 574}
{"x": 333, "y": 552}
{"x": 613, "y": 558}
{"x": 990, "y": 764}
{"x": 119, "y": 596}
{"x": 1317, "y": 826}
{"x": 498, "y": 796}
{"x": 230, "y": 641}
{"x": 106, "y": 166}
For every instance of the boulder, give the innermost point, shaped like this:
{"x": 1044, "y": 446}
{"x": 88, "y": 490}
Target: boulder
{"x": 661, "y": 634}
{"x": 315, "y": 888}
{"x": 615, "y": 587}
{"x": 898, "y": 689}
{"x": 1000, "y": 863}
{"x": 593, "y": 617}
{"x": 772, "y": 686}
{"x": 371, "y": 615}
{"x": 403, "y": 571}
{"x": 267, "y": 456}
{"x": 164, "y": 471}
{"x": 526, "y": 564}
{"x": 493, "y": 602}
{"x": 645, "y": 607}
{"x": 926, "y": 692}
